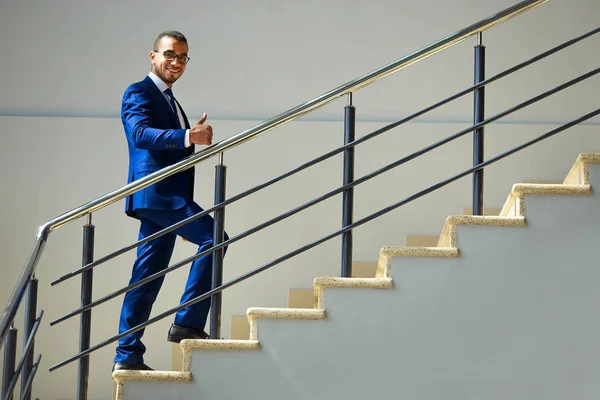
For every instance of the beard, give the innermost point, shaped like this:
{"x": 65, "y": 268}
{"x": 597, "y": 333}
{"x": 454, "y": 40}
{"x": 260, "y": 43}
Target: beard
{"x": 170, "y": 78}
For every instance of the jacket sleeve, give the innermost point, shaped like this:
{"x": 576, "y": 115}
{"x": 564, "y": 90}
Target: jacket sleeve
{"x": 137, "y": 113}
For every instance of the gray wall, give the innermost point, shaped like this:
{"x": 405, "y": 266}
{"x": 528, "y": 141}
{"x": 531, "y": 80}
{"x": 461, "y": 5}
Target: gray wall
{"x": 63, "y": 144}
{"x": 251, "y": 60}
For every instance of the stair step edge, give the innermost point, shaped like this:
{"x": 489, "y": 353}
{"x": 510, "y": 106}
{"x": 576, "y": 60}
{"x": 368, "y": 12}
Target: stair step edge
{"x": 211, "y": 344}
{"x": 285, "y": 313}
{"x": 520, "y": 189}
{"x": 321, "y": 284}
{"x": 387, "y": 252}
{"x": 175, "y": 376}
{"x": 485, "y": 220}
{"x": 591, "y": 158}
{"x": 357, "y": 283}
{"x": 410, "y": 251}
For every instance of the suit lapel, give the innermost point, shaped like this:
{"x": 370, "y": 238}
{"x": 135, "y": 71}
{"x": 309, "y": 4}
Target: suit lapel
{"x": 163, "y": 101}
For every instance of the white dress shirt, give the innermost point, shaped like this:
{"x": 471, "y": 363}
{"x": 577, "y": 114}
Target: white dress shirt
{"x": 162, "y": 87}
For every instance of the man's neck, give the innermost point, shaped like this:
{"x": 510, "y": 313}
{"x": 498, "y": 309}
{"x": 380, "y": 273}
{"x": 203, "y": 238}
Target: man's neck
{"x": 162, "y": 85}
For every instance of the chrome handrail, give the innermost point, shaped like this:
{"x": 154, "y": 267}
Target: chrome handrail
{"x": 244, "y": 136}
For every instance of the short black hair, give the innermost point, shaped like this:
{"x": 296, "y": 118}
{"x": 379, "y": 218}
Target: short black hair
{"x": 172, "y": 34}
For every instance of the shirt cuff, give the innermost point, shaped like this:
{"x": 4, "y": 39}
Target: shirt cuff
{"x": 186, "y": 140}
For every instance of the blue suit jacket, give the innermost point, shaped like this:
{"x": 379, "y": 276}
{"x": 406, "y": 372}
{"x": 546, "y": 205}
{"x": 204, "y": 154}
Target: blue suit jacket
{"x": 155, "y": 140}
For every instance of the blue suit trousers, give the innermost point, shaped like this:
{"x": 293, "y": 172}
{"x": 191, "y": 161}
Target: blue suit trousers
{"x": 155, "y": 256}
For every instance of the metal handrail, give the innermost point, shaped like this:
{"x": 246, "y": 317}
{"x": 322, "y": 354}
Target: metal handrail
{"x": 330, "y": 194}
{"x": 329, "y": 237}
{"x": 27, "y": 349}
{"x": 244, "y": 136}
{"x": 291, "y": 114}
{"x": 29, "y": 383}
{"x": 326, "y": 156}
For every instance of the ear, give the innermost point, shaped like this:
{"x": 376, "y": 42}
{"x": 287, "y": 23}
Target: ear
{"x": 152, "y": 55}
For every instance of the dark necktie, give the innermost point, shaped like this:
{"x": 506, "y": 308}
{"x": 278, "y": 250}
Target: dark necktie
{"x": 169, "y": 93}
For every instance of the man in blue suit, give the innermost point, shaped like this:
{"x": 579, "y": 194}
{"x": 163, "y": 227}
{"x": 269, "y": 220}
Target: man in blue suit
{"x": 158, "y": 135}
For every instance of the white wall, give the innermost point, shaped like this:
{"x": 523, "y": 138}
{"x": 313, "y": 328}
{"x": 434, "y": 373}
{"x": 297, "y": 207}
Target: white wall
{"x": 63, "y": 142}
{"x": 252, "y": 60}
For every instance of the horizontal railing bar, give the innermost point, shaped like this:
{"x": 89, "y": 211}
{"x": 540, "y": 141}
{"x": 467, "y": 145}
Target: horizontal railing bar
{"x": 329, "y": 237}
{"x": 295, "y": 112}
{"x": 34, "y": 370}
{"x": 327, "y": 156}
{"x": 327, "y": 195}
{"x": 26, "y": 351}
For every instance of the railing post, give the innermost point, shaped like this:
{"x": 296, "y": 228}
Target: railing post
{"x": 30, "y": 317}
{"x": 10, "y": 356}
{"x": 86, "y": 317}
{"x": 478, "y": 135}
{"x": 219, "y": 234}
{"x": 348, "y": 195}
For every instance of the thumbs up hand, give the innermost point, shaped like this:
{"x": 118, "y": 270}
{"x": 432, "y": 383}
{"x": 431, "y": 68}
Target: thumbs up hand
{"x": 201, "y": 133}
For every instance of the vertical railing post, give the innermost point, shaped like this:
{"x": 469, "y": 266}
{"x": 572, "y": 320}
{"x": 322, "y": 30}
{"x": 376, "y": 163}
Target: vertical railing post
{"x": 478, "y": 135}
{"x": 86, "y": 317}
{"x": 219, "y": 235}
{"x": 348, "y": 194}
{"x": 10, "y": 356}
{"x": 30, "y": 317}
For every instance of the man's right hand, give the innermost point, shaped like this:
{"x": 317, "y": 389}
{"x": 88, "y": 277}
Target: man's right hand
{"x": 200, "y": 133}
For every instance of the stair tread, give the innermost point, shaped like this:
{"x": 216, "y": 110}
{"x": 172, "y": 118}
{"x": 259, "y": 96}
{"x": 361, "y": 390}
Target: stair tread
{"x": 132, "y": 375}
{"x": 321, "y": 284}
{"x": 220, "y": 344}
{"x": 413, "y": 251}
{"x": 551, "y": 188}
{"x": 492, "y": 220}
{"x": 285, "y": 313}
{"x": 593, "y": 158}
{"x": 336, "y": 282}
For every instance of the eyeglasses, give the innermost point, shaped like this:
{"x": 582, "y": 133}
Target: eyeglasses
{"x": 170, "y": 56}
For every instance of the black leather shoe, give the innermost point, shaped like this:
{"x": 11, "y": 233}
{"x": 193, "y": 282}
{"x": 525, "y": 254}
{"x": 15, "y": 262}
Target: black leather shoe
{"x": 177, "y": 333}
{"x": 131, "y": 367}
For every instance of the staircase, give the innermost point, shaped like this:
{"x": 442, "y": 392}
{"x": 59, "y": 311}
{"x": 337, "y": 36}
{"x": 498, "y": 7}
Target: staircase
{"x": 500, "y": 306}
{"x": 504, "y": 307}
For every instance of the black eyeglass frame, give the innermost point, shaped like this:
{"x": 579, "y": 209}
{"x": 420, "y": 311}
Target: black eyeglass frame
{"x": 171, "y": 56}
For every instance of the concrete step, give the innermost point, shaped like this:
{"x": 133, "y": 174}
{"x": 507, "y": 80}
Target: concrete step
{"x": 299, "y": 298}
{"x": 304, "y": 298}
{"x": 290, "y": 329}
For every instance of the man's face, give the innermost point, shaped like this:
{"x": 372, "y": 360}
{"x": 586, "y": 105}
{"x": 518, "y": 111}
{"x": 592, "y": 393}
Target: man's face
{"x": 168, "y": 71}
